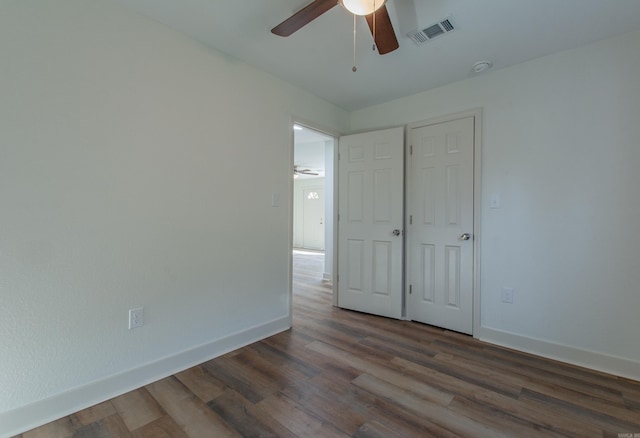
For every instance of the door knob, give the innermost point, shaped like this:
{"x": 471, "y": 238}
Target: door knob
{"x": 396, "y": 232}
{"x": 465, "y": 236}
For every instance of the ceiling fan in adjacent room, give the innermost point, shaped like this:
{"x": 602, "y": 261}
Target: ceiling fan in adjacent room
{"x": 374, "y": 11}
{"x": 297, "y": 172}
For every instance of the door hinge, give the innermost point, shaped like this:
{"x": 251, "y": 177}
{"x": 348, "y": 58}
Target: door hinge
{"x": 411, "y": 150}
{"x": 410, "y": 219}
{"x": 410, "y": 289}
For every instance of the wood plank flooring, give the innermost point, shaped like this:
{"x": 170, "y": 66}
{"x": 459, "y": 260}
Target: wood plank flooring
{"x": 339, "y": 373}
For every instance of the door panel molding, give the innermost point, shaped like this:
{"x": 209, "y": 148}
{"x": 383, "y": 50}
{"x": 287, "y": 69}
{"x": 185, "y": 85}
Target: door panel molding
{"x": 426, "y": 148}
{"x": 371, "y": 216}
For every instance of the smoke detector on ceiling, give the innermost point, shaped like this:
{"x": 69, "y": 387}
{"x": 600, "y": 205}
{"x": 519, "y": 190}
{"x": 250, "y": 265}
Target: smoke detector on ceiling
{"x": 481, "y": 66}
{"x": 433, "y": 31}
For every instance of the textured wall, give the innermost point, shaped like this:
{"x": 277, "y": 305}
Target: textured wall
{"x": 126, "y": 152}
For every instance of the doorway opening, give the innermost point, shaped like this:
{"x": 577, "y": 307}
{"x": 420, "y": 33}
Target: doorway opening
{"x": 313, "y": 209}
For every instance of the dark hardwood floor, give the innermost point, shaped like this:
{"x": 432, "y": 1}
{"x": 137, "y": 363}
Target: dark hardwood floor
{"x": 339, "y": 373}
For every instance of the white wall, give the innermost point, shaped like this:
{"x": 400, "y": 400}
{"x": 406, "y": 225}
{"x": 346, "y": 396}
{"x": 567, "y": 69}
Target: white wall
{"x": 561, "y": 145}
{"x": 123, "y": 150}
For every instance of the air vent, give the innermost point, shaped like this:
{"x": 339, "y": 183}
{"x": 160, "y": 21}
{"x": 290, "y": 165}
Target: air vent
{"x": 434, "y": 31}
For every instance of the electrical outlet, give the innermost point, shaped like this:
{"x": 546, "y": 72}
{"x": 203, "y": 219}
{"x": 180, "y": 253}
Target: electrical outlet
{"x": 136, "y": 318}
{"x": 507, "y": 295}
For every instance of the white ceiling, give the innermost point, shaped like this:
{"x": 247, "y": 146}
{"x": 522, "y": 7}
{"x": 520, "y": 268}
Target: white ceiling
{"x": 319, "y": 56}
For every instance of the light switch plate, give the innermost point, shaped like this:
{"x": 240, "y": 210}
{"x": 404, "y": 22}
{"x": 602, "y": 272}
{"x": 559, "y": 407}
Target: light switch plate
{"x": 495, "y": 201}
{"x": 136, "y": 318}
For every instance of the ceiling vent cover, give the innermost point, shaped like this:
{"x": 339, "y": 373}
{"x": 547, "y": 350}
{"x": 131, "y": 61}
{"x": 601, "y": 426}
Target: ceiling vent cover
{"x": 434, "y": 31}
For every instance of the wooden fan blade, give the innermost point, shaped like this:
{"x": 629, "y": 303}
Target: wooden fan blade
{"x": 385, "y": 37}
{"x": 303, "y": 17}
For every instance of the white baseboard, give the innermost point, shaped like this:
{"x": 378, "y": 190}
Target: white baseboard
{"x": 585, "y": 358}
{"x": 44, "y": 411}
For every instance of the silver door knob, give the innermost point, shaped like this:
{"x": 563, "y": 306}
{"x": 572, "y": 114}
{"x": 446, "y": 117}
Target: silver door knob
{"x": 465, "y": 236}
{"x": 396, "y": 232}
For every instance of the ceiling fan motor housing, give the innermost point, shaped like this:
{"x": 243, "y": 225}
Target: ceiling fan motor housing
{"x": 362, "y": 7}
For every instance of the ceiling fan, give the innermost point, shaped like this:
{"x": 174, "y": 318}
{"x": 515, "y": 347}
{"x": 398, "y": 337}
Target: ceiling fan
{"x": 374, "y": 11}
{"x": 297, "y": 172}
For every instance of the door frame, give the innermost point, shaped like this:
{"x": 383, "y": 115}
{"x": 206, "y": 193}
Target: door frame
{"x": 334, "y": 189}
{"x": 476, "y": 113}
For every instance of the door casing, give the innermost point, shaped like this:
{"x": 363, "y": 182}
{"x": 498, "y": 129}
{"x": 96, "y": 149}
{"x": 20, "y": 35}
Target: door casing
{"x": 333, "y": 221}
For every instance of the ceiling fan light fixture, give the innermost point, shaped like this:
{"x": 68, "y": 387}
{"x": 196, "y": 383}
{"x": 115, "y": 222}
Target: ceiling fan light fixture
{"x": 362, "y": 7}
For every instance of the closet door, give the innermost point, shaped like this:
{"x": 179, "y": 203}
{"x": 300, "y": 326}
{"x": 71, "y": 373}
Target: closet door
{"x": 440, "y": 238}
{"x": 371, "y": 207}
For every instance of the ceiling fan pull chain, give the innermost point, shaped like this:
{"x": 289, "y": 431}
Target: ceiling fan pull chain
{"x": 354, "y": 69}
{"x": 374, "y": 26}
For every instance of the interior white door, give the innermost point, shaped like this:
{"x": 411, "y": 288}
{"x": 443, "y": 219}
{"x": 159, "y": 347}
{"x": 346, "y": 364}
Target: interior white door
{"x": 371, "y": 203}
{"x": 441, "y": 225}
{"x": 313, "y": 218}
